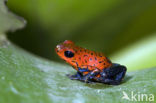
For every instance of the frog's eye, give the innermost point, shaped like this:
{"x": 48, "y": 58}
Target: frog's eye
{"x": 69, "y": 54}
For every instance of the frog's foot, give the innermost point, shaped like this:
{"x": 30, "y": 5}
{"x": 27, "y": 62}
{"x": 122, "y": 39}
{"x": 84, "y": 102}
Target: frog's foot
{"x": 113, "y": 75}
{"x": 77, "y": 76}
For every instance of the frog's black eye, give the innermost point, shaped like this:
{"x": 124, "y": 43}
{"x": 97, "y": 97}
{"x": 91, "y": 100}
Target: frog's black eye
{"x": 69, "y": 54}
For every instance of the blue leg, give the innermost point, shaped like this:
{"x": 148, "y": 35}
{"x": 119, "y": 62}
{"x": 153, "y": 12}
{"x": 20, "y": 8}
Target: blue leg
{"x": 89, "y": 77}
{"x": 77, "y": 76}
{"x": 83, "y": 70}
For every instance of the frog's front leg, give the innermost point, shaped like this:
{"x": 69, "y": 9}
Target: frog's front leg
{"x": 77, "y": 76}
{"x": 81, "y": 70}
{"x": 89, "y": 72}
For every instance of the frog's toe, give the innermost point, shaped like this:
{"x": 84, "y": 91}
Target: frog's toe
{"x": 88, "y": 79}
{"x": 72, "y": 77}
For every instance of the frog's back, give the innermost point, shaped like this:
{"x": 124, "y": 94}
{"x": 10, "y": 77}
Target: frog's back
{"x": 91, "y": 58}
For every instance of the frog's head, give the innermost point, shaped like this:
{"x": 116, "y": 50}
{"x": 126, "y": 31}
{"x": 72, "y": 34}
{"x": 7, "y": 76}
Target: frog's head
{"x": 67, "y": 51}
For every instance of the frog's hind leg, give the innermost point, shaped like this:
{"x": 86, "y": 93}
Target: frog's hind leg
{"x": 113, "y": 75}
{"x": 90, "y": 76}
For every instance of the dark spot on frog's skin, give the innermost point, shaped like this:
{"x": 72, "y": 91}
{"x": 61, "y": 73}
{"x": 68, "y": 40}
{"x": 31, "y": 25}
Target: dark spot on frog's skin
{"x": 73, "y": 61}
{"x": 80, "y": 50}
{"x": 85, "y": 61}
{"x": 104, "y": 64}
{"x": 85, "y": 50}
{"x": 79, "y": 58}
{"x": 85, "y": 55}
{"x": 105, "y": 59}
{"x": 90, "y": 59}
{"x": 91, "y": 53}
{"x": 100, "y": 56}
{"x": 100, "y": 61}
{"x": 95, "y": 58}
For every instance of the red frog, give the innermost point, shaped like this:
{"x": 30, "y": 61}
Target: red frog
{"x": 90, "y": 66}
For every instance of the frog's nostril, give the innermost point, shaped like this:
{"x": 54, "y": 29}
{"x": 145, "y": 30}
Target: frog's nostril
{"x": 59, "y": 47}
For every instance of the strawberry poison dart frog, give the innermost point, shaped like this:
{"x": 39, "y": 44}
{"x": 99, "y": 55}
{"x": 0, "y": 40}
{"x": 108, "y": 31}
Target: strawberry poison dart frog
{"x": 90, "y": 66}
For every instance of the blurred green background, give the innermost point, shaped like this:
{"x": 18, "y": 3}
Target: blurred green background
{"x": 123, "y": 29}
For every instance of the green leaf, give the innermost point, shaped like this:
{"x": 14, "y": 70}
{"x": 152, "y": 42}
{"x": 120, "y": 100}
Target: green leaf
{"x": 29, "y": 79}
